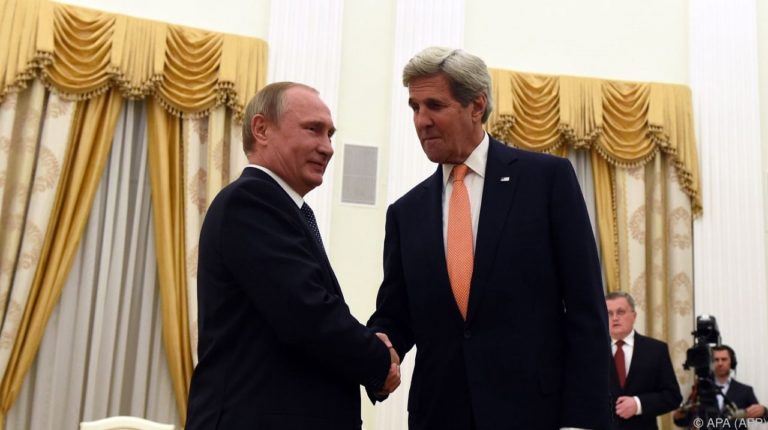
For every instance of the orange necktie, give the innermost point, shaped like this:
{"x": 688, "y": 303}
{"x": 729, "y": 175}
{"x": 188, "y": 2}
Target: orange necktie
{"x": 460, "y": 253}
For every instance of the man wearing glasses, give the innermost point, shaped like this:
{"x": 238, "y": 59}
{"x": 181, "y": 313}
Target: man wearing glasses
{"x": 644, "y": 385}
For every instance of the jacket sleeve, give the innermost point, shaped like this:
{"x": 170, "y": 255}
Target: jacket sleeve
{"x": 585, "y": 395}
{"x": 289, "y": 286}
{"x": 666, "y": 394}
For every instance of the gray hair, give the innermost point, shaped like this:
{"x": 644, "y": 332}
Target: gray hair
{"x": 269, "y": 102}
{"x": 621, "y": 294}
{"x": 467, "y": 74}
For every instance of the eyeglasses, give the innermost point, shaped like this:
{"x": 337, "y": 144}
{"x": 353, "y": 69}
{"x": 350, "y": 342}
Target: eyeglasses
{"x": 619, "y": 313}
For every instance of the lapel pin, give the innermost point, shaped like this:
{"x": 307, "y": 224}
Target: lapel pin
{"x": 505, "y": 179}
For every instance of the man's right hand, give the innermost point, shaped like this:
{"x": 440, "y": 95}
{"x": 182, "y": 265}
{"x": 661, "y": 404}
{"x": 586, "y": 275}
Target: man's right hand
{"x": 393, "y": 377}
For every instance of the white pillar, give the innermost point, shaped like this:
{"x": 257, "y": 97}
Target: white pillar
{"x": 729, "y": 244}
{"x": 311, "y": 56}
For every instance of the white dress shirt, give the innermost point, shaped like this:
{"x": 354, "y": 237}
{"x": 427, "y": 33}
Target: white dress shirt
{"x": 724, "y": 390}
{"x": 629, "y": 349}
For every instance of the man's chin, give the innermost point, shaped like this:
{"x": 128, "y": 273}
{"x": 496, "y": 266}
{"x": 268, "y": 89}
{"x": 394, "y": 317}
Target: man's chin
{"x": 434, "y": 156}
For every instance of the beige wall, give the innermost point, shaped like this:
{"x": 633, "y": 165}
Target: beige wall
{"x": 615, "y": 39}
{"x": 357, "y": 232}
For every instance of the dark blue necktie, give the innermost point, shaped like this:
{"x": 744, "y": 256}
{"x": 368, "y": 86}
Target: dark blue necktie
{"x": 309, "y": 217}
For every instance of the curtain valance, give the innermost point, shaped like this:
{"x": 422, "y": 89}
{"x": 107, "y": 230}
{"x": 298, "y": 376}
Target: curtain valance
{"x": 80, "y": 53}
{"x": 627, "y": 123}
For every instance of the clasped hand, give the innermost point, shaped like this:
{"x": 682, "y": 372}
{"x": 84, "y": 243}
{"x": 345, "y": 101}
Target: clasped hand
{"x": 393, "y": 377}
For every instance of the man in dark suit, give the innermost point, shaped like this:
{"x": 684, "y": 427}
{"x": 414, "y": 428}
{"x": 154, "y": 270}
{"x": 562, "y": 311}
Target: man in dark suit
{"x": 278, "y": 346}
{"x": 644, "y": 385}
{"x": 738, "y": 401}
{"x": 497, "y": 283}
{"x": 742, "y": 396}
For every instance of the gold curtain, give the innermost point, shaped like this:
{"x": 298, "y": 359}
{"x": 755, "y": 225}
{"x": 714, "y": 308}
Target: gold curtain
{"x": 626, "y": 124}
{"x": 100, "y": 59}
{"x": 34, "y": 130}
{"x": 645, "y": 170}
{"x": 87, "y": 153}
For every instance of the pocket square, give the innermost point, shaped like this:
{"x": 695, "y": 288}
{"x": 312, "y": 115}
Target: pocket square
{"x": 505, "y": 179}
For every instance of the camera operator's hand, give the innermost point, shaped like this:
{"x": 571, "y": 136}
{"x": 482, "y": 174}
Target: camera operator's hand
{"x": 755, "y": 411}
{"x": 626, "y": 407}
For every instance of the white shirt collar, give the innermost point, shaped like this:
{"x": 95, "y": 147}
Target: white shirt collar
{"x": 726, "y": 384}
{"x": 629, "y": 340}
{"x": 284, "y": 185}
{"x": 476, "y": 160}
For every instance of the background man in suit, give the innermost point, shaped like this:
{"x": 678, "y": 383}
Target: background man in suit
{"x": 737, "y": 395}
{"x": 278, "y": 346}
{"x": 742, "y": 395}
{"x": 492, "y": 252}
{"x": 644, "y": 385}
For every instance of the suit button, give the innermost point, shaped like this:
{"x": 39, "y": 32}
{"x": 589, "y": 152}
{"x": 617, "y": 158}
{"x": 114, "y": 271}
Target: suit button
{"x": 467, "y": 334}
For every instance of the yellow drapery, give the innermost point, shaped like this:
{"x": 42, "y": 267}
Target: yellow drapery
{"x": 101, "y": 58}
{"x": 95, "y": 121}
{"x": 624, "y": 124}
{"x": 188, "y": 71}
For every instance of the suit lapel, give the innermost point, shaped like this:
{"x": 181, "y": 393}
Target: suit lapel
{"x": 501, "y": 175}
{"x": 428, "y": 246}
{"x": 638, "y": 355}
{"x": 321, "y": 256}
{"x": 431, "y": 223}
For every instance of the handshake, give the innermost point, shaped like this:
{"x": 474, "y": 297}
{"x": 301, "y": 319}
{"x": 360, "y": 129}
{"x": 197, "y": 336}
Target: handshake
{"x": 393, "y": 377}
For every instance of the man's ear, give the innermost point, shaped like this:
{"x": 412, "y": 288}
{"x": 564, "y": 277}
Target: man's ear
{"x": 259, "y": 128}
{"x": 478, "y": 107}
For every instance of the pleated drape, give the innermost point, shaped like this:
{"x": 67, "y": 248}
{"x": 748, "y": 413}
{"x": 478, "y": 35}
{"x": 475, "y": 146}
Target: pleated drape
{"x": 624, "y": 124}
{"x": 81, "y": 52}
{"x": 627, "y": 123}
{"x": 88, "y": 147}
{"x": 165, "y": 166}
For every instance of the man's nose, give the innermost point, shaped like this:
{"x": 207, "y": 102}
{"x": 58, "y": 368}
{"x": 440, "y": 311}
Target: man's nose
{"x": 326, "y": 148}
{"x": 421, "y": 119}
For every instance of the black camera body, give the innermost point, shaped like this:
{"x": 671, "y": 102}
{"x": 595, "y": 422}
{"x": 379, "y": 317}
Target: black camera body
{"x": 703, "y": 403}
{"x": 699, "y": 356}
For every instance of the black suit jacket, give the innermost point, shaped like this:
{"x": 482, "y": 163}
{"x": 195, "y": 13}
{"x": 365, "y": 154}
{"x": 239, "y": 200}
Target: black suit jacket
{"x": 742, "y": 395}
{"x": 652, "y": 379}
{"x": 278, "y": 347}
{"x": 533, "y": 352}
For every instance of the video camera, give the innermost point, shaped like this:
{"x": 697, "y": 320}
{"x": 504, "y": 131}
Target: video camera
{"x": 699, "y": 356}
{"x": 702, "y": 404}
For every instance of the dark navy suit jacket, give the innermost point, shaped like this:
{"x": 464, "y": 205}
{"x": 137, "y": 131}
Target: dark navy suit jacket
{"x": 278, "y": 346}
{"x": 652, "y": 379}
{"x": 533, "y": 352}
